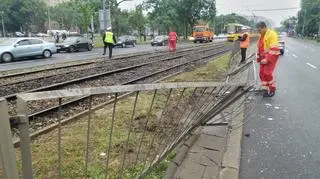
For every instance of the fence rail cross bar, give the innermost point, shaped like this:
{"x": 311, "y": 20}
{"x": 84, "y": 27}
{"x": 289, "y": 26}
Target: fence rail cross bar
{"x": 118, "y": 89}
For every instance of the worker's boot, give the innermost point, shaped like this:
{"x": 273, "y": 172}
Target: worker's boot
{"x": 270, "y": 92}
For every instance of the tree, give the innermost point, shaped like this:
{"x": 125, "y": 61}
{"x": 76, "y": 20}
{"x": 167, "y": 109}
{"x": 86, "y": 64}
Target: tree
{"x": 289, "y": 24}
{"x": 309, "y": 17}
{"x": 137, "y": 20}
{"x": 180, "y": 14}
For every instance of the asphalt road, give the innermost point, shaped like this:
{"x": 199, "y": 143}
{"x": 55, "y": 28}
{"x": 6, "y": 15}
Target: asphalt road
{"x": 284, "y": 141}
{"x": 96, "y": 52}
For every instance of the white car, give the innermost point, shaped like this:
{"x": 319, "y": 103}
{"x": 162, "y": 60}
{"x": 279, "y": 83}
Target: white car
{"x": 281, "y": 44}
{"x": 42, "y": 35}
{"x": 16, "y": 48}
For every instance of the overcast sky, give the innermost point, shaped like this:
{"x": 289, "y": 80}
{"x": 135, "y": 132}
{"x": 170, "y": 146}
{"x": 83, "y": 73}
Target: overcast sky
{"x": 245, "y": 7}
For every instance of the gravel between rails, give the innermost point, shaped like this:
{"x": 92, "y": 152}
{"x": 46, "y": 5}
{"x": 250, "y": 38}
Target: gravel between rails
{"x": 104, "y": 66}
{"x": 49, "y": 118}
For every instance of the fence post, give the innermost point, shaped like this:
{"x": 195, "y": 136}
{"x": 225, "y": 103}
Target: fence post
{"x": 22, "y": 110}
{"x": 7, "y": 152}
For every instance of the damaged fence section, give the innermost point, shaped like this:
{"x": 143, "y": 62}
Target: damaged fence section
{"x": 126, "y": 139}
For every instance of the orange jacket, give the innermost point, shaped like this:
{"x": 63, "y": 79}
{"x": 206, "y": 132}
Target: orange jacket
{"x": 268, "y": 46}
{"x": 245, "y": 43}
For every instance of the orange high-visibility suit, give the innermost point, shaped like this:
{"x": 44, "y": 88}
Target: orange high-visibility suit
{"x": 268, "y": 49}
{"x": 172, "y": 41}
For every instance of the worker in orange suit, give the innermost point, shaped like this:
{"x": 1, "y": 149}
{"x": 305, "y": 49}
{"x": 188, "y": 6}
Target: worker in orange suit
{"x": 244, "y": 39}
{"x": 268, "y": 55}
{"x": 172, "y": 41}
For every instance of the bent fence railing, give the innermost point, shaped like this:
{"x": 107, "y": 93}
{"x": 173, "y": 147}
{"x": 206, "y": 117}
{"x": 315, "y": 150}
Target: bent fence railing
{"x": 126, "y": 139}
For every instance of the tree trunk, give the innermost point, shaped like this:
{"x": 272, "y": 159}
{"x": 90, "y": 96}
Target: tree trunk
{"x": 186, "y": 31}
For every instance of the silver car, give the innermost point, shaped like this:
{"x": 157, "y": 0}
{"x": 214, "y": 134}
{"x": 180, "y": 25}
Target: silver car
{"x": 25, "y": 47}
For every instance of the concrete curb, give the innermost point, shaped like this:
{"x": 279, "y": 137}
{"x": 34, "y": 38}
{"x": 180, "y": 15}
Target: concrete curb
{"x": 182, "y": 153}
{"x": 230, "y": 167}
{"x": 231, "y": 159}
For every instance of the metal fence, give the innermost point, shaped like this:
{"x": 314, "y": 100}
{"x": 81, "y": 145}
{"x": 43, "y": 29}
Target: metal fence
{"x": 126, "y": 139}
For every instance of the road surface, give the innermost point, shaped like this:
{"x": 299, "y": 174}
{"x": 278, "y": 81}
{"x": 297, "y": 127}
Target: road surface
{"x": 284, "y": 141}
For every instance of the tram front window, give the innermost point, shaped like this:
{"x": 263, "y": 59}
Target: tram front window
{"x": 231, "y": 29}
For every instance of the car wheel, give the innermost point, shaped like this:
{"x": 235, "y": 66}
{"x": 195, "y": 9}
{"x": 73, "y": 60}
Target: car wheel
{"x": 72, "y": 49}
{"x": 6, "y": 57}
{"x": 123, "y": 45}
{"x": 162, "y": 44}
{"x": 47, "y": 54}
{"x": 89, "y": 47}
{"x": 134, "y": 44}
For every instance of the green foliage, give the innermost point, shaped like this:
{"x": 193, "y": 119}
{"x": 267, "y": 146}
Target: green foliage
{"x": 289, "y": 23}
{"x": 24, "y": 15}
{"x": 222, "y": 20}
{"x": 308, "y": 17}
{"x": 180, "y": 15}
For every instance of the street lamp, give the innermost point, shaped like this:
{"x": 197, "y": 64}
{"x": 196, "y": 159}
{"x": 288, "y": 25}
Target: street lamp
{"x": 2, "y": 14}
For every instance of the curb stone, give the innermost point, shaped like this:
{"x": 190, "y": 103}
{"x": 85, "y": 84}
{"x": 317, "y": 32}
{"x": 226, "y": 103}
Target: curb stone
{"x": 182, "y": 153}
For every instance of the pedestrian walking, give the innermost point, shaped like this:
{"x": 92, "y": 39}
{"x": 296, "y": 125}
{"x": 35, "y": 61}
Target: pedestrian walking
{"x": 268, "y": 55}
{"x": 244, "y": 39}
{"x": 64, "y": 36}
{"x": 172, "y": 41}
{"x": 57, "y": 37}
{"x": 109, "y": 40}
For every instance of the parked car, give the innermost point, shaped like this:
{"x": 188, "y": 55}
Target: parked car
{"x": 19, "y": 34}
{"x": 73, "y": 44}
{"x": 25, "y": 47}
{"x": 281, "y": 44}
{"x": 41, "y": 35}
{"x": 160, "y": 40}
{"x": 123, "y": 41}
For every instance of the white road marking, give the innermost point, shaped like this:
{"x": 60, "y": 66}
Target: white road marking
{"x": 268, "y": 104}
{"x": 287, "y": 50}
{"x": 312, "y": 49}
{"x": 295, "y": 56}
{"x": 270, "y": 119}
{"x": 276, "y": 107}
{"x": 312, "y": 66}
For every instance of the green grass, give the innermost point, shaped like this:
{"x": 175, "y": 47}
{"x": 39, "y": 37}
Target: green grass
{"x": 214, "y": 71}
{"x": 44, "y": 148}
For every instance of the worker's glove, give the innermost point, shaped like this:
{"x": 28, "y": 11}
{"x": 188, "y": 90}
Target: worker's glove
{"x": 264, "y": 61}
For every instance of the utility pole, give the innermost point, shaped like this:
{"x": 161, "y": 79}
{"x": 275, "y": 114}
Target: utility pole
{"x": 104, "y": 14}
{"x": 304, "y": 22}
{"x": 92, "y": 26}
{"x": 3, "y": 31}
{"x": 49, "y": 18}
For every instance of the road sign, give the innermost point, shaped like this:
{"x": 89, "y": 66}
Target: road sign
{"x": 104, "y": 25}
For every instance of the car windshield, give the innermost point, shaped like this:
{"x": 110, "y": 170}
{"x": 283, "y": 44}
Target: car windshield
{"x": 198, "y": 29}
{"x": 159, "y": 38}
{"x": 71, "y": 39}
{"x": 7, "y": 42}
{"x": 123, "y": 37}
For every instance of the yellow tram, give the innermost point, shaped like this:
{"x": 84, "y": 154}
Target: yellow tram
{"x": 234, "y": 30}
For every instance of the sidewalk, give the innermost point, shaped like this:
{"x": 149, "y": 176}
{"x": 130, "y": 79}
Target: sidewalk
{"x": 213, "y": 152}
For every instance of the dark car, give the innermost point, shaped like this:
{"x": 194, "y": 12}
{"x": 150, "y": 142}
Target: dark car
{"x": 160, "y": 40}
{"x": 73, "y": 44}
{"x": 125, "y": 40}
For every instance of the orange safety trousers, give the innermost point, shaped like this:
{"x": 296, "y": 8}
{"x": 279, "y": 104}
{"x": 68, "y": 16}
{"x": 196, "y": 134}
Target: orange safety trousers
{"x": 172, "y": 45}
{"x": 267, "y": 74}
